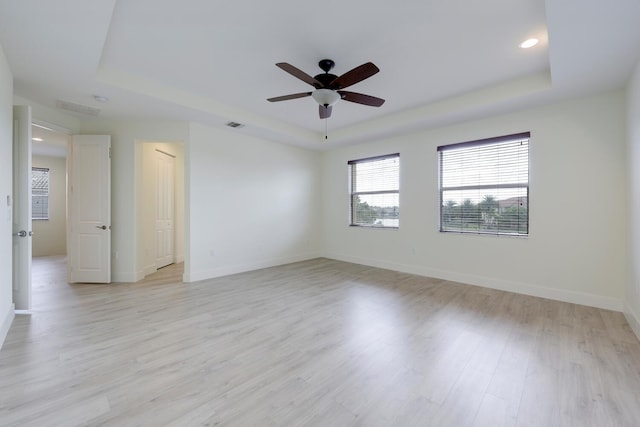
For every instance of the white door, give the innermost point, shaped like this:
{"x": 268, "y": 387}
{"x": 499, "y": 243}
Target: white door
{"x": 165, "y": 222}
{"x": 89, "y": 209}
{"x": 22, "y": 207}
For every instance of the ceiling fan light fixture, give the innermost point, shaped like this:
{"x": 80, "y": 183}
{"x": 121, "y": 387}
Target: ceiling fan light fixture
{"x": 326, "y": 97}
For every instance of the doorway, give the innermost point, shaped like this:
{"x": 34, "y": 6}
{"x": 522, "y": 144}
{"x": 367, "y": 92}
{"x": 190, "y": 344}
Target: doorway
{"x": 49, "y": 213}
{"x": 46, "y": 197}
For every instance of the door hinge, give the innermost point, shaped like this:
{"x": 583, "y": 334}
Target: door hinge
{"x": 109, "y": 152}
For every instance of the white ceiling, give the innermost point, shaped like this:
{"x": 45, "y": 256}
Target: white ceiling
{"x": 213, "y": 62}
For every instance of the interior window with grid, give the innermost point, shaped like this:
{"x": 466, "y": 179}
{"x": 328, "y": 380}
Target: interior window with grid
{"x": 375, "y": 191}
{"x": 39, "y": 193}
{"x": 484, "y": 186}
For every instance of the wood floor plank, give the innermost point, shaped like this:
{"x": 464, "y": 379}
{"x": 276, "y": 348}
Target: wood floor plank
{"x": 313, "y": 343}
{"x": 495, "y": 412}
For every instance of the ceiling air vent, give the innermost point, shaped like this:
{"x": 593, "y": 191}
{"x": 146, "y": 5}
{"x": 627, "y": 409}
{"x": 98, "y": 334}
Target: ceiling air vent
{"x": 235, "y": 125}
{"x": 77, "y": 108}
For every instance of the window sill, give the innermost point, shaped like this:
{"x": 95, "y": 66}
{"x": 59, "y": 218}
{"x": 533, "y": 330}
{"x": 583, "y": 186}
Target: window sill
{"x": 377, "y": 227}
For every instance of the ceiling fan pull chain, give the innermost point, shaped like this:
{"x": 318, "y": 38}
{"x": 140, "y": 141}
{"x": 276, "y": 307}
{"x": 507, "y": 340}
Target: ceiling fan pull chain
{"x": 325, "y": 129}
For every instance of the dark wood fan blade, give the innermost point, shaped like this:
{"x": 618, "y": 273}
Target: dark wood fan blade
{"x": 295, "y": 72}
{"x": 325, "y": 112}
{"x": 287, "y": 97}
{"x": 360, "y": 98}
{"x": 354, "y": 76}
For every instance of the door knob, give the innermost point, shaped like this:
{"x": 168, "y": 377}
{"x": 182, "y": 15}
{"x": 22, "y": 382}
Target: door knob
{"x": 103, "y": 227}
{"x": 20, "y": 233}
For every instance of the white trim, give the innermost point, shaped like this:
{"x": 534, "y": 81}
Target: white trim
{"x": 234, "y": 269}
{"x": 6, "y": 324}
{"x": 581, "y": 298}
{"x": 51, "y": 127}
{"x": 127, "y": 277}
{"x": 149, "y": 269}
{"x": 633, "y": 319}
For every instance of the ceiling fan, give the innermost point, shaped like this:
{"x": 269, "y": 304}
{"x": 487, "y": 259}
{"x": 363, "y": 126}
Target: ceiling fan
{"x": 329, "y": 86}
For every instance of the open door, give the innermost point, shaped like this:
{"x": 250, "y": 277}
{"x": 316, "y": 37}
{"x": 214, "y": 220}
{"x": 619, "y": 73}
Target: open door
{"x": 22, "y": 207}
{"x": 89, "y": 218}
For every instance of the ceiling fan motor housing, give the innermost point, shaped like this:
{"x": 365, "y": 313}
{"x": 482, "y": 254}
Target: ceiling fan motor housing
{"x": 326, "y": 65}
{"x": 325, "y": 79}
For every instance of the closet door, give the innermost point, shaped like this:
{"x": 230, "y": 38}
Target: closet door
{"x": 165, "y": 208}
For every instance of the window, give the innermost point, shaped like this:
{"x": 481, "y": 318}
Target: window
{"x": 484, "y": 186}
{"x": 375, "y": 191}
{"x": 40, "y": 193}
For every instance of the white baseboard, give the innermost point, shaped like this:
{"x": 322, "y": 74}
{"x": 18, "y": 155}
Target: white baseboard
{"x": 633, "y": 319}
{"x": 127, "y": 277}
{"x": 234, "y": 269}
{"x": 149, "y": 269}
{"x": 6, "y": 323}
{"x": 581, "y": 298}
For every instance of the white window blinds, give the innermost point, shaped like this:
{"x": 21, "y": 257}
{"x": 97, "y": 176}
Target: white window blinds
{"x": 484, "y": 186}
{"x": 39, "y": 193}
{"x": 375, "y": 191}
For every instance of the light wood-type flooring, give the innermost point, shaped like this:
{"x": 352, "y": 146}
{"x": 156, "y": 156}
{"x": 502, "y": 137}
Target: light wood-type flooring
{"x": 315, "y": 343}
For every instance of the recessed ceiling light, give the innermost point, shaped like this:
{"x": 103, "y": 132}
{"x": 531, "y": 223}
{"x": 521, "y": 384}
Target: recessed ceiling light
{"x": 37, "y": 139}
{"x": 528, "y": 43}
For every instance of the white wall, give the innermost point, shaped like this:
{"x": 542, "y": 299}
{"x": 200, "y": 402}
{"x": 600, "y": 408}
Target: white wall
{"x": 147, "y": 201}
{"x": 127, "y": 251}
{"x": 6, "y": 182}
{"x": 632, "y": 306}
{"x": 576, "y": 249}
{"x": 252, "y": 203}
{"x": 50, "y": 236}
